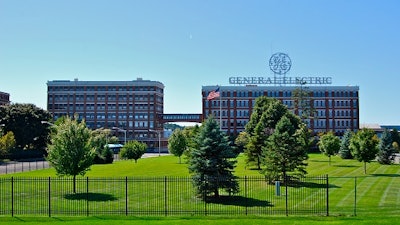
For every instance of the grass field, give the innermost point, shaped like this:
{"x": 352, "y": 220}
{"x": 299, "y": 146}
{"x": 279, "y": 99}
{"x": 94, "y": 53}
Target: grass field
{"x": 374, "y": 197}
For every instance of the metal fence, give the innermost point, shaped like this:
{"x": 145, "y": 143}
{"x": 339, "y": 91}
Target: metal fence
{"x": 159, "y": 196}
{"x": 23, "y": 166}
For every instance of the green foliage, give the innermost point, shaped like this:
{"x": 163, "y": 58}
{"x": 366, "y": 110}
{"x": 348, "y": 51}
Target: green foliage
{"x": 7, "y": 143}
{"x": 24, "y": 120}
{"x": 133, "y": 150}
{"x": 70, "y": 151}
{"x": 177, "y": 143}
{"x": 242, "y": 140}
{"x": 286, "y": 151}
{"x": 396, "y": 139}
{"x": 190, "y": 135}
{"x": 266, "y": 114}
{"x": 99, "y": 142}
{"x": 212, "y": 163}
{"x": 302, "y": 102}
{"x": 386, "y": 149}
{"x": 329, "y": 144}
{"x": 364, "y": 146}
{"x": 344, "y": 150}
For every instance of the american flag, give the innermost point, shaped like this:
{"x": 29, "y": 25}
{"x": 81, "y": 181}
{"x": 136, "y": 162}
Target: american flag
{"x": 213, "y": 94}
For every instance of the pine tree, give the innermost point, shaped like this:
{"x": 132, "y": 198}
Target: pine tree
{"x": 386, "y": 150}
{"x": 286, "y": 151}
{"x": 213, "y": 161}
{"x": 344, "y": 150}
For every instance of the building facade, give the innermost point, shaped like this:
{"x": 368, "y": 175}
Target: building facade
{"x": 336, "y": 108}
{"x": 130, "y": 108}
{"x": 4, "y": 98}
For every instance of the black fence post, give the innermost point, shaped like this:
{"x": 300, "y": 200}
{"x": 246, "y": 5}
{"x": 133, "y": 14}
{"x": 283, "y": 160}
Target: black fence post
{"x": 286, "y": 195}
{"x": 327, "y": 195}
{"x": 245, "y": 194}
{"x": 12, "y": 196}
{"x": 49, "y": 197}
{"x": 87, "y": 196}
{"x": 126, "y": 196}
{"x": 165, "y": 196}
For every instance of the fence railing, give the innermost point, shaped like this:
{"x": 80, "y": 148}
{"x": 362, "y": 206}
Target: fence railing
{"x": 23, "y": 166}
{"x": 159, "y": 196}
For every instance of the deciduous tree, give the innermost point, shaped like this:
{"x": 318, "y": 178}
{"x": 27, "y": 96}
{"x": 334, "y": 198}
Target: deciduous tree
{"x": 177, "y": 143}
{"x": 7, "y": 142}
{"x": 133, "y": 150}
{"x": 70, "y": 151}
{"x": 329, "y": 144}
{"x": 364, "y": 146}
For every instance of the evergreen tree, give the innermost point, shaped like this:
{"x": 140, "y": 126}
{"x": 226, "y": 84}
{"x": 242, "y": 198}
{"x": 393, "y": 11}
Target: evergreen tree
{"x": 70, "y": 151}
{"x": 286, "y": 151}
{"x": 329, "y": 144}
{"x": 344, "y": 150}
{"x": 133, "y": 150}
{"x": 364, "y": 146}
{"x": 266, "y": 114}
{"x": 213, "y": 161}
{"x": 177, "y": 143}
{"x": 386, "y": 149}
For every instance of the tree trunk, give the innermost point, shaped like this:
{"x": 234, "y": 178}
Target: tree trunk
{"x": 365, "y": 168}
{"x": 74, "y": 184}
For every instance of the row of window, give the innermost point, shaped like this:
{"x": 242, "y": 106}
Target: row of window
{"x": 239, "y": 94}
{"x": 103, "y": 98}
{"x": 104, "y": 88}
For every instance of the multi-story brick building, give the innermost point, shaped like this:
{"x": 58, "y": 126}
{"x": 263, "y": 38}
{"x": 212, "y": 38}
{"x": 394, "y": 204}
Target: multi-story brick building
{"x": 4, "y": 98}
{"x": 336, "y": 108}
{"x": 130, "y": 108}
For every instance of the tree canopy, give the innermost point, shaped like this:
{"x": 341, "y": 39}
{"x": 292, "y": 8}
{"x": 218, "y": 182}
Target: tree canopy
{"x": 177, "y": 143}
{"x": 70, "y": 151}
{"x": 364, "y": 146}
{"x": 25, "y": 121}
{"x": 329, "y": 144}
{"x": 386, "y": 149}
{"x": 213, "y": 160}
{"x": 344, "y": 150}
{"x": 133, "y": 150}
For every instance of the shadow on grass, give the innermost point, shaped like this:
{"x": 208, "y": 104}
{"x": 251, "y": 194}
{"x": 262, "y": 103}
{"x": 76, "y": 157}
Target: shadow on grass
{"x": 345, "y": 166}
{"x": 239, "y": 201}
{"x": 300, "y": 184}
{"x": 385, "y": 175}
{"x": 93, "y": 197}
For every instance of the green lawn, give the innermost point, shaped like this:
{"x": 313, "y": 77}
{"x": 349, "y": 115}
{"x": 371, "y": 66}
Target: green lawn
{"x": 374, "y": 196}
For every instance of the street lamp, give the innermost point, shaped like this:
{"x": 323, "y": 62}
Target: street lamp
{"x": 122, "y": 130}
{"x": 48, "y": 123}
{"x": 159, "y": 140}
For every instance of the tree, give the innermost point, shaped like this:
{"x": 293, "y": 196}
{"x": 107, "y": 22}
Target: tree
{"x": 213, "y": 161}
{"x": 396, "y": 139}
{"x": 70, "y": 151}
{"x": 190, "y": 134}
{"x": 286, "y": 150}
{"x": 302, "y": 101}
{"x": 242, "y": 140}
{"x": 386, "y": 149}
{"x": 344, "y": 150}
{"x": 25, "y": 121}
{"x": 133, "y": 150}
{"x": 363, "y": 146}
{"x": 266, "y": 114}
{"x": 99, "y": 142}
{"x": 329, "y": 144}
{"x": 177, "y": 143}
{"x": 7, "y": 142}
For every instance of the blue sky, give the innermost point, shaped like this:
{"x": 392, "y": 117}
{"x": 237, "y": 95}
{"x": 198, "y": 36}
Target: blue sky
{"x": 186, "y": 44}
